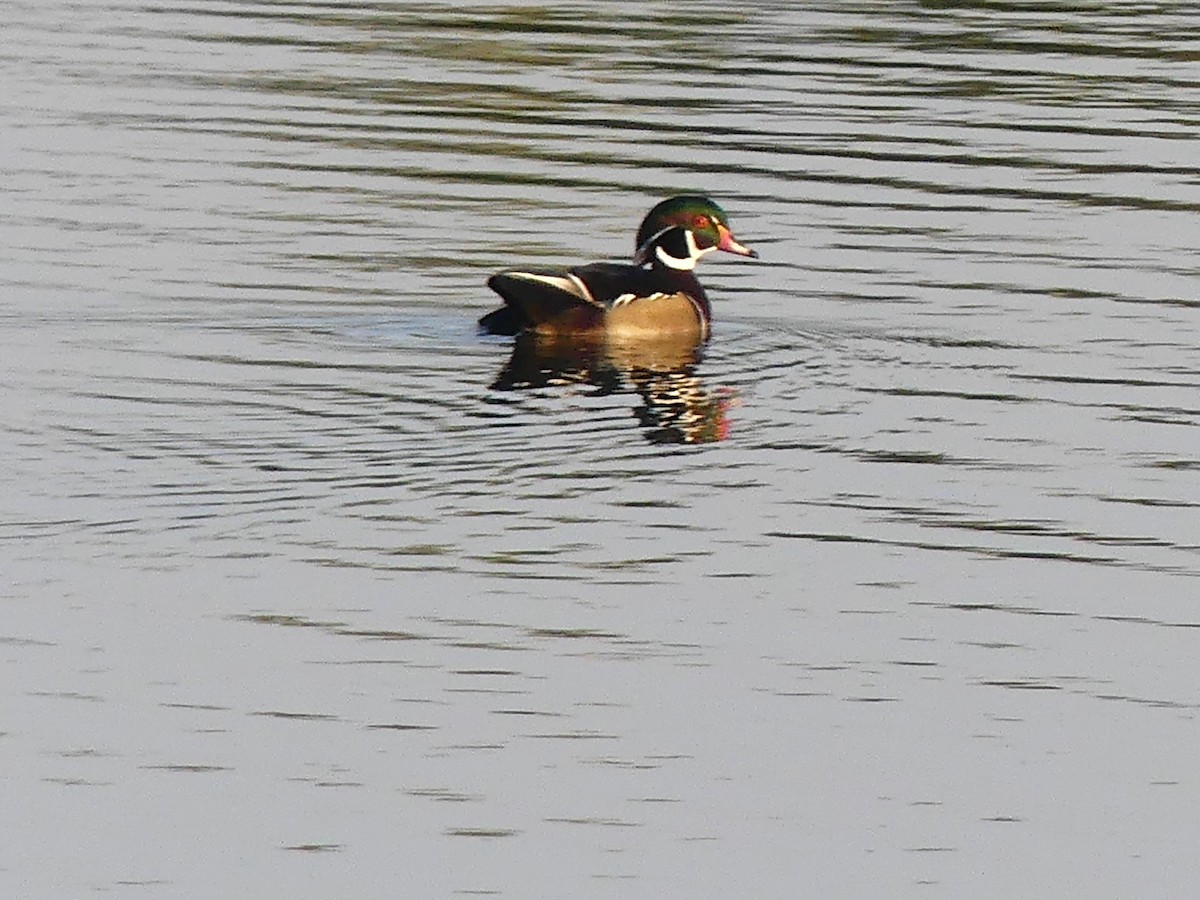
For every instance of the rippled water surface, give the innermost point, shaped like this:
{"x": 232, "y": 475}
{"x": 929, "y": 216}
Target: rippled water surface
{"x": 309, "y": 590}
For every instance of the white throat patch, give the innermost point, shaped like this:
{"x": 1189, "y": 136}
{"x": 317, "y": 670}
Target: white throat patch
{"x": 686, "y": 263}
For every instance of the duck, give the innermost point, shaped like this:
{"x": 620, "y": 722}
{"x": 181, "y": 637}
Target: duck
{"x": 657, "y": 295}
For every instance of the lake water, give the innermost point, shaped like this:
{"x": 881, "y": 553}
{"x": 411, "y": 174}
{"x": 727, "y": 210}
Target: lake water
{"x": 310, "y": 591}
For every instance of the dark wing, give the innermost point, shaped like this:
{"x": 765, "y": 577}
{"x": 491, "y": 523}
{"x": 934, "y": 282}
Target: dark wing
{"x": 606, "y": 281}
{"x": 577, "y": 299}
{"x": 542, "y": 296}
{"x": 612, "y": 284}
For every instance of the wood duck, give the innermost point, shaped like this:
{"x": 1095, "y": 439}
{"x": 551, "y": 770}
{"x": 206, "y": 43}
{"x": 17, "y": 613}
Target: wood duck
{"x": 656, "y": 295}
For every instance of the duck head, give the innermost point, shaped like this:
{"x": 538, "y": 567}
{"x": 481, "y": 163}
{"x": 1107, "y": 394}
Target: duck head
{"x": 680, "y": 230}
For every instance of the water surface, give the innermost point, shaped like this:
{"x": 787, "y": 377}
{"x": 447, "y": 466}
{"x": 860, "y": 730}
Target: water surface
{"x": 310, "y": 590}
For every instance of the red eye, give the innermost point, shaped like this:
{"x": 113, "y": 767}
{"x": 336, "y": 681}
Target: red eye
{"x": 700, "y": 222}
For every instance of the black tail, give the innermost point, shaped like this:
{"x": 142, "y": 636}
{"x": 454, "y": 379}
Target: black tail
{"x": 506, "y": 320}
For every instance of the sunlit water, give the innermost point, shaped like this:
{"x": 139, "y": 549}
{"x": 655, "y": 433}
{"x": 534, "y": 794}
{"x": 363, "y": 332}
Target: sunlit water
{"x": 311, "y": 591}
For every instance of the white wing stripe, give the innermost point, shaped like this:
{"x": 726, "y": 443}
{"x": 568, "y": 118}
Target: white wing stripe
{"x": 582, "y": 289}
{"x": 568, "y": 284}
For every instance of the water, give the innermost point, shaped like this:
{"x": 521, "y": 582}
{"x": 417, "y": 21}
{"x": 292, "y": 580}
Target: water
{"x": 310, "y": 591}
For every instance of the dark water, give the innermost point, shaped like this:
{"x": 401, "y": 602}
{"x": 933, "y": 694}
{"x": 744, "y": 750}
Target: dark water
{"x": 310, "y": 591}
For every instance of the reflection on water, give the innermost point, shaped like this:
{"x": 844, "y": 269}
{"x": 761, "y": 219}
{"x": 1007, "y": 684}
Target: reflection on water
{"x": 676, "y": 407}
{"x": 296, "y": 561}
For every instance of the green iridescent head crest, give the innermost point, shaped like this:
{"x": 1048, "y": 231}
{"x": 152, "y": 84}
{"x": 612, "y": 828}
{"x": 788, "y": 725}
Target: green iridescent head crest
{"x": 706, "y": 226}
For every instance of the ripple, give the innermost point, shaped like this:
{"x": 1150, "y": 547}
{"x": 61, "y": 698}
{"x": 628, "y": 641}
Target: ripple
{"x": 929, "y": 488}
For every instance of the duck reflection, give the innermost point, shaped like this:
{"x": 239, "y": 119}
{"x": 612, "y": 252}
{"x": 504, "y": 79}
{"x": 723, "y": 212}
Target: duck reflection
{"x": 676, "y": 407}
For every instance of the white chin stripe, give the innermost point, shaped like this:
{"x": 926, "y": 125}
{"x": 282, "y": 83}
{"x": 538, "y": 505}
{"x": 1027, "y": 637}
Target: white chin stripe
{"x": 696, "y": 251}
{"x": 689, "y": 262}
{"x": 673, "y": 261}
